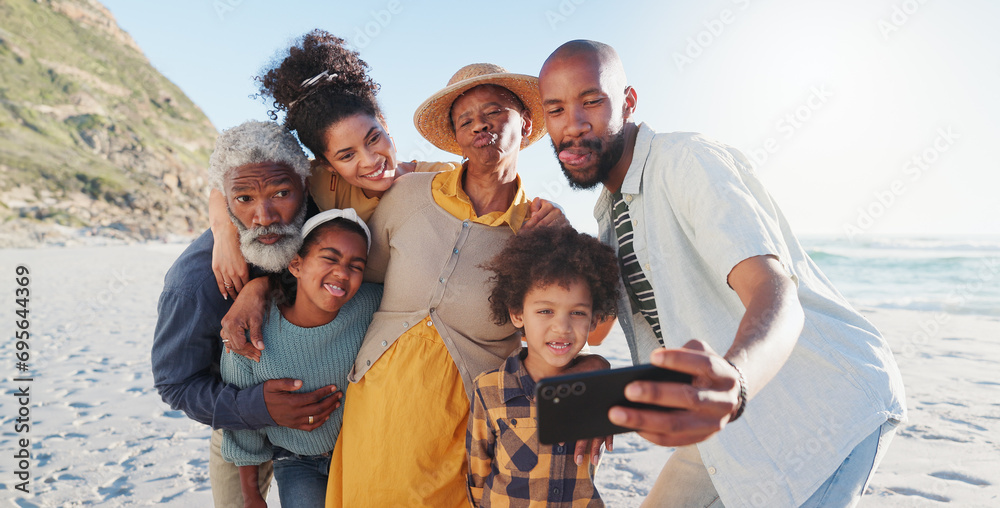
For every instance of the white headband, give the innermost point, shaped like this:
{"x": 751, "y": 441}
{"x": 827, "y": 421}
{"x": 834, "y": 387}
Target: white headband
{"x": 335, "y": 213}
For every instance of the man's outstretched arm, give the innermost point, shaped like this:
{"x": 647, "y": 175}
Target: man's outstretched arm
{"x": 766, "y": 336}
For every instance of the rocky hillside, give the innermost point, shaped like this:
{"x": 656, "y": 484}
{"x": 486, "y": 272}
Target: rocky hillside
{"x": 92, "y": 138}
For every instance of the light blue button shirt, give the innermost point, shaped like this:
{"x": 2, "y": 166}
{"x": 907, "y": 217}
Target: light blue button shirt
{"x": 699, "y": 210}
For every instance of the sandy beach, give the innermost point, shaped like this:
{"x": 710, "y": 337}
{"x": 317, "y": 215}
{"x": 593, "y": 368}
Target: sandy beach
{"x": 100, "y": 435}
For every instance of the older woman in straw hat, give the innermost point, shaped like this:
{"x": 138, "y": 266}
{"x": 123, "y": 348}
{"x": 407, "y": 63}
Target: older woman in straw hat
{"x": 403, "y": 438}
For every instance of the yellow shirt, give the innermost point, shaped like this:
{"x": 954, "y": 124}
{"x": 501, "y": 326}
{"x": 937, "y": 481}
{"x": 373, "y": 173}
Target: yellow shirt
{"x": 409, "y": 413}
{"x": 329, "y": 190}
{"x": 449, "y": 194}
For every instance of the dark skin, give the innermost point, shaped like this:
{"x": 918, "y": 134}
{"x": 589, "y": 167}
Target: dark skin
{"x": 489, "y": 126}
{"x": 586, "y": 97}
{"x": 337, "y": 257}
{"x": 261, "y": 195}
{"x": 249, "y": 484}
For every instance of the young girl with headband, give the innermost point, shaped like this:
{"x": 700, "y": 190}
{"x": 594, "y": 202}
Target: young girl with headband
{"x": 314, "y": 330}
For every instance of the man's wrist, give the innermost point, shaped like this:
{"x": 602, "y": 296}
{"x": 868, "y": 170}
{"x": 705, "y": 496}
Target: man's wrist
{"x": 742, "y": 398}
{"x": 253, "y": 409}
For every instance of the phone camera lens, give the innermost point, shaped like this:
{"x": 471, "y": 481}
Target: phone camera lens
{"x": 548, "y": 392}
{"x": 563, "y": 390}
{"x": 579, "y": 388}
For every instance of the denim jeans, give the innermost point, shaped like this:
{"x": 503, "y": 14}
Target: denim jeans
{"x": 684, "y": 482}
{"x": 301, "y": 480}
{"x": 848, "y": 482}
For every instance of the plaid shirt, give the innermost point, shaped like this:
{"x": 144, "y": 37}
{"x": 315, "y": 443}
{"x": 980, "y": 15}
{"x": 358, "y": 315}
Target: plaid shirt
{"x": 507, "y": 465}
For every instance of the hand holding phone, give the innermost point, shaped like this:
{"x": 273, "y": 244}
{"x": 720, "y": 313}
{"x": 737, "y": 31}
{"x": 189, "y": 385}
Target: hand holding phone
{"x": 575, "y": 406}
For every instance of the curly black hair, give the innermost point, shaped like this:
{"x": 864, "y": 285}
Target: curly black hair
{"x": 552, "y": 255}
{"x": 310, "y": 109}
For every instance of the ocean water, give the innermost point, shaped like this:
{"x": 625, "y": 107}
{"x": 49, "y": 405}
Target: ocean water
{"x": 955, "y": 275}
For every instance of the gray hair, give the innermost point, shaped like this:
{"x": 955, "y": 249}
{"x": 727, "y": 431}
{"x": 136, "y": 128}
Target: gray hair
{"x": 254, "y": 142}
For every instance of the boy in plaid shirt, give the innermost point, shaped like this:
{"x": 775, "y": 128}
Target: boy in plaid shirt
{"x": 554, "y": 284}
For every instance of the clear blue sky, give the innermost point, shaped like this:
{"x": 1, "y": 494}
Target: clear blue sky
{"x": 835, "y": 99}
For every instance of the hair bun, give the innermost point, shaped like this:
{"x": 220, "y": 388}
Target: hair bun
{"x": 317, "y": 61}
{"x": 316, "y": 82}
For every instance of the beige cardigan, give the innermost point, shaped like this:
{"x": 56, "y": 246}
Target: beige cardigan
{"x": 430, "y": 263}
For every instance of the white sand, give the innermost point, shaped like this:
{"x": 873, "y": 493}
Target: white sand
{"x": 100, "y": 434}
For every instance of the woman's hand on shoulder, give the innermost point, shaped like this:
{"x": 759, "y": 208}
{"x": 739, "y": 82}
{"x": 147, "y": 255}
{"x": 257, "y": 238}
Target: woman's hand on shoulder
{"x": 405, "y": 167}
{"x": 228, "y": 266}
{"x": 545, "y": 213}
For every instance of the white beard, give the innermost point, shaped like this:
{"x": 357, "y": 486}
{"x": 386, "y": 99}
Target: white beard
{"x": 275, "y": 257}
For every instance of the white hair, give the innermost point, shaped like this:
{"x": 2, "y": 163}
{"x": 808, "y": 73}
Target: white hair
{"x": 254, "y": 142}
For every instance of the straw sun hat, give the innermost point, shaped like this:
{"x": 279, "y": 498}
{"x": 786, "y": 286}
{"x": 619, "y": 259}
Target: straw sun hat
{"x": 432, "y": 117}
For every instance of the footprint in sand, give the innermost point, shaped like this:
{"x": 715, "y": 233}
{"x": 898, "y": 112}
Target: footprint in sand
{"x": 120, "y": 487}
{"x": 914, "y": 492}
{"x": 167, "y": 499}
{"x": 963, "y": 422}
{"x": 924, "y": 432}
{"x": 161, "y": 478}
{"x": 959, "y": 477}
{"x": 936, "y": 402}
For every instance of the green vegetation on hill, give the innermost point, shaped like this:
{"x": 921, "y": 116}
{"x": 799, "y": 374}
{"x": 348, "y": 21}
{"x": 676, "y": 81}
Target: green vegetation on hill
{"x": 84, "y": 116}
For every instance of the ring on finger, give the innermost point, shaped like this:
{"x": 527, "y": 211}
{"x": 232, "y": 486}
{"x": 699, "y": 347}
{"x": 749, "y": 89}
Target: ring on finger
{"x": 310, "y": 420}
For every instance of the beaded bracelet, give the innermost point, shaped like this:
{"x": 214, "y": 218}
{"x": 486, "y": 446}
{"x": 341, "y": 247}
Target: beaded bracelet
{"x": 743, "y": 393}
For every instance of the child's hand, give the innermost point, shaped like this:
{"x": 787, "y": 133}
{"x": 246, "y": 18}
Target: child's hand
{"x": 592, "y": 447}
{"x": 254, "y": 503}
{"x": 249, "y": 487}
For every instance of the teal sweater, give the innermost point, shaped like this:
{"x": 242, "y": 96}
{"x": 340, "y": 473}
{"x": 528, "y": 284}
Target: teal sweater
{"x": 318, "y": 356}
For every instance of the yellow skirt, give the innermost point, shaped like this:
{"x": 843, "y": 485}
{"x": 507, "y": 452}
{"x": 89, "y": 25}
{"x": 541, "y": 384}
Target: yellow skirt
{"x": 403, "y": 438}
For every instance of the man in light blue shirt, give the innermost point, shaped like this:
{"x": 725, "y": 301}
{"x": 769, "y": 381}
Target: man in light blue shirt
{"x": 795, "y": 394}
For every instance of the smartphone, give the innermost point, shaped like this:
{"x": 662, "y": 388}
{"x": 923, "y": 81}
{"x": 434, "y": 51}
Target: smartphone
{"x": 575, "y": 406}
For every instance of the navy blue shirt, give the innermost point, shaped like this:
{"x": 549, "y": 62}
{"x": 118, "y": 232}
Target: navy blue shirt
{"x": 187, "y": 347}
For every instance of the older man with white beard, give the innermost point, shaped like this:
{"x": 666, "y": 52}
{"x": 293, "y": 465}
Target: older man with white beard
{"x": 261, "y": 170}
